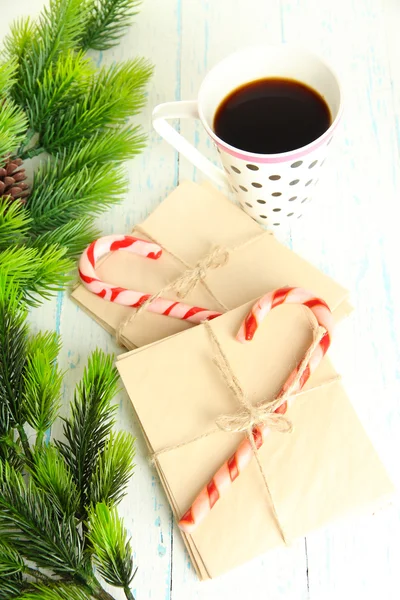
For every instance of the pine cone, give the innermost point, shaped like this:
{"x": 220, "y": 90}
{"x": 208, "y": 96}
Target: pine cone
{"x": 12, "y": 179}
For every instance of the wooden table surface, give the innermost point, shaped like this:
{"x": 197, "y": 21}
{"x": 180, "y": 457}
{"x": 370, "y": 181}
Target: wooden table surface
{"x": 351, "y": 233}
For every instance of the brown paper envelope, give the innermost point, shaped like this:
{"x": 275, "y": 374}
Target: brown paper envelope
{"x": 324, "y": 469}
{"x": 190, "y": 222}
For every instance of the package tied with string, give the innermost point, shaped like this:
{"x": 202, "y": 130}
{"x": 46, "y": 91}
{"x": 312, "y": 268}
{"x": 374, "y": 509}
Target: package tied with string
{"x": 315, "y": 465}
{"x": 225, "y": 258}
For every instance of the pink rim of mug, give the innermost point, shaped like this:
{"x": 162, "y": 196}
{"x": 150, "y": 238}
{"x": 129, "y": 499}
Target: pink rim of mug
{"x": 283, "y": 157}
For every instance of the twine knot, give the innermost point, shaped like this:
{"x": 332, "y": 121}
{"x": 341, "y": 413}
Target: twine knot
{"x": 218, "y": 257}
{"x": 249, "y": 417}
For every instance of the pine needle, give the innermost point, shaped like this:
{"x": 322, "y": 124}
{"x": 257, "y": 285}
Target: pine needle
{"x": 14, "y": 222}
{"x": 7, "y": 76}
{"x": 13, "y": 124}
{"x": 112, "y": 145}
{"x": 60, "y": 85}
{"x": 52, "y": 475}
{"x": 13, "y": 336}
{"x": 111, "y": 547}
{"x": 39, "y": 272}
{"x": 42, "y": 382}
{"x": 11, "y": 587}
{"x": 74, "y": 236}
{"x": 29, "y": 520}
{"x": 37, "y": 45}
{"x": 87, "y": 429}
{"x": 106, "y": 22}
{"x": 61, "y": 592}
{"x": 11, "y": 562}
{"x": 115, "y": 93}
{"x": 114, "y": 468}
{"x": 59, "y": 197}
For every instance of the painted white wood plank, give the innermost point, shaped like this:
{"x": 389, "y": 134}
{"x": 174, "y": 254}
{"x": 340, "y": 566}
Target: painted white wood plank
{"x": 350, "y": 233}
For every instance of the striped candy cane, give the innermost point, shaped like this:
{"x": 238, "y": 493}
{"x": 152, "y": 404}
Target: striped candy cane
{"x": 119, "y": 295}
{"x": 231, "y": 469}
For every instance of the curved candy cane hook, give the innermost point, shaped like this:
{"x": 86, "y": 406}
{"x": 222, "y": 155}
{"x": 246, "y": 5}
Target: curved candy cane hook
{"x": 119, "y": 295}
{"x": 232, "y": 468}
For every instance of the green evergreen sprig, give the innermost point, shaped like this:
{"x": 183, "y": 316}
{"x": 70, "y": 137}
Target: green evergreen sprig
{"x": 106, "y": 22}
{"x": 54, "y": 99}
{"x": 58, "y": 498}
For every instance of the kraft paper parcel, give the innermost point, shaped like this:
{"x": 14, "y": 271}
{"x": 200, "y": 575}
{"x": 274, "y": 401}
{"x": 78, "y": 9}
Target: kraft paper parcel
{"x": 190, "y": 222}
{"x": 324, "y": 469}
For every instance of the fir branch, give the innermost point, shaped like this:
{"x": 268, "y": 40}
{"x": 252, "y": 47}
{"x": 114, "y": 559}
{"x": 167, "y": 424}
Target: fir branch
{"x": 61, "y": 84}
{"x": 13, "y": 336}
{"x": 29, "y": 520}
{"x": 13, "y": 124}
{"x": 74, "y": 236}
{"x": 59, "y": 592}
{"x": 115, "y": 93}
{"x": 106, "y": 23}
{"x": 42, "y": 383}
{"x": 111, "y": 548}
{"x": 92, "y": 418}
{"x": 11, "y": 450}
{"x": 52, "y": 275}
{"x": 113, "y": 469}
{"x": 36, "y": 46}
{"x": 113, "y": 145}
{"x": 14, "y": 223}
{"x": 40, "y": 272}
{"x": 57, "y": 198}
{"x": 11, "y": 562}
{"x": 52, "y": 475}
{"x": 21, "y": 34}
{"x": 7, "y": 76}
{"x": 11, "y": 587}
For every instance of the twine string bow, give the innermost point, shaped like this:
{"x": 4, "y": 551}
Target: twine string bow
{"x": 218, "y": 257}
{"x": 249, "y": 416}
{"x": 185, "y": 283}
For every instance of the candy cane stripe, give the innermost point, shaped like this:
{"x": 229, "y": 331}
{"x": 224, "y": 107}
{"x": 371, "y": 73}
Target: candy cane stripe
{"x": 86, "y": 278}
{"x": 315, "y": 302}
{"x": 188, "y": 517}
{"x": 193, "y": 311}
{"x": 233, "y": 468}
{"x": 213, "y": 493}
{"x": 115, "y": 292}
{"x": 250, "y": 326}
{"x": 166, "y": 312}
{"x": 257, "y": 437}
{"x": 280, "y": 296}
{"x": 125, "y": 243}
{"x": 325, "y": 343}
{"x": 90, "y": 254}
{"x": 141, "y": 301}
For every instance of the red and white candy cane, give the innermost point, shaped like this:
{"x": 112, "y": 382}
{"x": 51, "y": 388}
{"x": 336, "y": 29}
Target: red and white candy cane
{"x": 232, "y": 468}
{"x": 119, "y": 295}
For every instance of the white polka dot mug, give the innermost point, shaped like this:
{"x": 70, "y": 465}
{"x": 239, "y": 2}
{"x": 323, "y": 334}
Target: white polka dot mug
{"x": 272, "y": 188}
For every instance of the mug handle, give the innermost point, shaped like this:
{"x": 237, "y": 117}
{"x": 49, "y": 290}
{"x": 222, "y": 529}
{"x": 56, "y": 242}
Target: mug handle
{"x": 185, "y": 109}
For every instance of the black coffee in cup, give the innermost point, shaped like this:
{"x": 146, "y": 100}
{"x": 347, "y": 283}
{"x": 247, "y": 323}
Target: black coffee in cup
{"x": 272, "y": 115}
